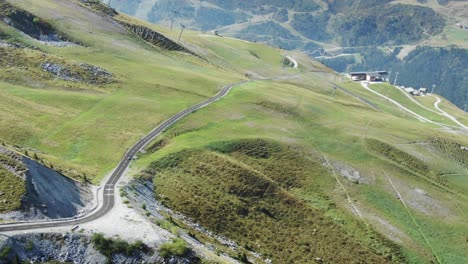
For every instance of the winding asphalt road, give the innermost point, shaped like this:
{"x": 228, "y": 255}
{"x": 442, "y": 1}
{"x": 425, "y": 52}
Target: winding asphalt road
{"x": 108, "y": 197}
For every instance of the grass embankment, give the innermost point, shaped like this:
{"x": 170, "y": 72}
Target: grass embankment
{"x": 245, "y": 191}
{"x": 12, "y": 187}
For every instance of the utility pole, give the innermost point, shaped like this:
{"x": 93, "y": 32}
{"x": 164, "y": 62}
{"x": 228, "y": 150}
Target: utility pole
{"x": 465, "y": 107}
{"x": 173, "y": 17}
{"x": 389, "y": 75}
{"x": 181, "y": 31}
{"x": 109, "y": 3}
{"x": 433, "y": 88}
{"x": 396, "y": 78}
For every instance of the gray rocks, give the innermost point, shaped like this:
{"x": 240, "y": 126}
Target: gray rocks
{"x": 44, "y": 247}
{"x": 95, "y": 70}
{"x": 4, "y": 44}
{"x": 82, "y": 72}
{"x": 60, "y": 71}
{"x": 72, "y": 248}
{"x": 349, "y": 173}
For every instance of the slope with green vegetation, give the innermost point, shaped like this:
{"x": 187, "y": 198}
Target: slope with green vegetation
{"x": 83, "y": 127}
{"x": 12, "y": 189}
{"x": 12, "y": 183}
{"x": 248, "y": 196}
{"x": 232, "y": 166}
{"x": 285, "y": 165}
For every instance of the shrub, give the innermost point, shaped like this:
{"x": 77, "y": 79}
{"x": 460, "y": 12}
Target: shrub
{"x": 29, "y": 245}
{"x": 4, "y": 252}
{"x": 177, "y": 247}
{"x": 108, "y": 246}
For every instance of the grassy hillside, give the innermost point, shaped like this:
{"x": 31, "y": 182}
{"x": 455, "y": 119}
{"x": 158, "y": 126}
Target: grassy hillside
{"x": 247, "y": 194}
{"x": 12, "y": 185}
{"x": 83, "y": 127}
{"x": 319, "y": 139}
{"x": 285, "y": 165}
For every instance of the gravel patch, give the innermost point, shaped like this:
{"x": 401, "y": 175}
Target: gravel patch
{"x": 349, "y": 173}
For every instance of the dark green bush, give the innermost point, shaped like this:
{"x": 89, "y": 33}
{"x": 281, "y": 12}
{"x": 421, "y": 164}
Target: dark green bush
{"x": 177, "y": 247}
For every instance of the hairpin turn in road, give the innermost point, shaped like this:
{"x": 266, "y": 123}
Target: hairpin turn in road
{"x": 108, "y": 193}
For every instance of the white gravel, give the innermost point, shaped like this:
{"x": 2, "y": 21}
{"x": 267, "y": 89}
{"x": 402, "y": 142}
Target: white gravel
{"x": 127, "y": 223}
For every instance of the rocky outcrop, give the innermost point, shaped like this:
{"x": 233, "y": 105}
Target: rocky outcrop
{"x": 31, "y": 25}
{"x": 99, "y": 7}
{"x": 74, "y": 248}
{"x": 78, "y": 73}
{"x": 12, "y": 162}
{"x": 44, "y": 247}
{"x": 155, "y": 38}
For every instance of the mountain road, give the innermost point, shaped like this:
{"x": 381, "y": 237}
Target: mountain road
{"x": 108, "y": 193}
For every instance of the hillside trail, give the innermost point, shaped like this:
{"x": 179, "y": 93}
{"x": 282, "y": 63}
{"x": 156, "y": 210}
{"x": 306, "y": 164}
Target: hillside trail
{"x": 415, "y": 115}
{"x": 436, "y": 105}
{"x": 295, "y": 64}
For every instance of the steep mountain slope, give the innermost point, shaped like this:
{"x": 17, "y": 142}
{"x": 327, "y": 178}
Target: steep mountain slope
{"x": 342, "y": 34}
{"x": 294, "y": 165}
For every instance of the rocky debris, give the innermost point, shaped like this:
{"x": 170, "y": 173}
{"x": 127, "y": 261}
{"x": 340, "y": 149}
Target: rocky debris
{"x": 349, "y": 173}
{"x": 82, "y": 72}
{"x": 71, "y": 248}
{"x": 57, "y": 43}
{"x": 100, "y": 7}
{"x": 60, "y": 71}
{"x": 140, "y": 191}
{"x": 31, "y": 25}
{"x": 423, "y": 202}
{"x": 95, "y": 70}
{"x": 12, "y": 162}
{"x": 145, "y": 33}
{"x": 4, "y": 44}
{"x": 155, "y": 38}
